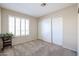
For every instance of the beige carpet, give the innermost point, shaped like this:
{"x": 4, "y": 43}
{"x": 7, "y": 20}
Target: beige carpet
{"x": 37, "y": 48}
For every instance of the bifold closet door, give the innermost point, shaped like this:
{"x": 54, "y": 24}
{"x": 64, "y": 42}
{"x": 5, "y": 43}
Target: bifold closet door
{"x": 57, "y": 30}
{"x": 44, "y": 29}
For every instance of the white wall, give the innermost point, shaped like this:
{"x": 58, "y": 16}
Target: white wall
{"x": 0, "y": 20}
{"x": 69, "y": 16}
{"x": 32, "y": 28}
{"x": 0, "y": 30}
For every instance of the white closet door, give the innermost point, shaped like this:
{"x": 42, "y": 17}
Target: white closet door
{"x": 78, "y": 34}
{"x": 57, "y": 30}
{"x": 44, "y": 29}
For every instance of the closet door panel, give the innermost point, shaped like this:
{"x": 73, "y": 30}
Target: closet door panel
{"x": 78, "y": 34}
{"x": 57, "y": 30}
{"x": 45, "y": 29}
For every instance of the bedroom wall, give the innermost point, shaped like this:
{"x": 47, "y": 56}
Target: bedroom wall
{"x": 32, "y": 26}
{"x": 0, "y": 20}
{"x": 0, "y": 30}
{"x": 69, "y": 15}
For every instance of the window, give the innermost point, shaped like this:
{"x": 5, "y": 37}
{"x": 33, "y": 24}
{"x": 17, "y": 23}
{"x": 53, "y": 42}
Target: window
{"x": 18, "y": 26}
{"x": 23, "y": 27}
{"x": 27, "y": 27}
{"x": 11, "y": 24}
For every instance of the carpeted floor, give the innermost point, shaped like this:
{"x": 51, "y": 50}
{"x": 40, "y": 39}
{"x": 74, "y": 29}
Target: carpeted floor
{"x": 37, "y": 48}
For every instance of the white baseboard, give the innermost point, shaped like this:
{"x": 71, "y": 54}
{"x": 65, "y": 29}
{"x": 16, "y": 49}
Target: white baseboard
{"x": 69, "y": 48}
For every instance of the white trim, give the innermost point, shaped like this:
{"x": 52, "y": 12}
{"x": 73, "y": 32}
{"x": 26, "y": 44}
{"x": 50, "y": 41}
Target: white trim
{"x": 20, "y": 26}
{"x": 51, "y": 31}
{"x": 15, "y": 26}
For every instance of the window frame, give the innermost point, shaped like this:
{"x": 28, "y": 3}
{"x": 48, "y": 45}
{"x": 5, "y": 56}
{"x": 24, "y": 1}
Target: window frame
{"x": 20, "y": 25}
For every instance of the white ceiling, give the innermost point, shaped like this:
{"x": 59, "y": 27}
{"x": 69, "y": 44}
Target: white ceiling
{"x": 34, "y": 9}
